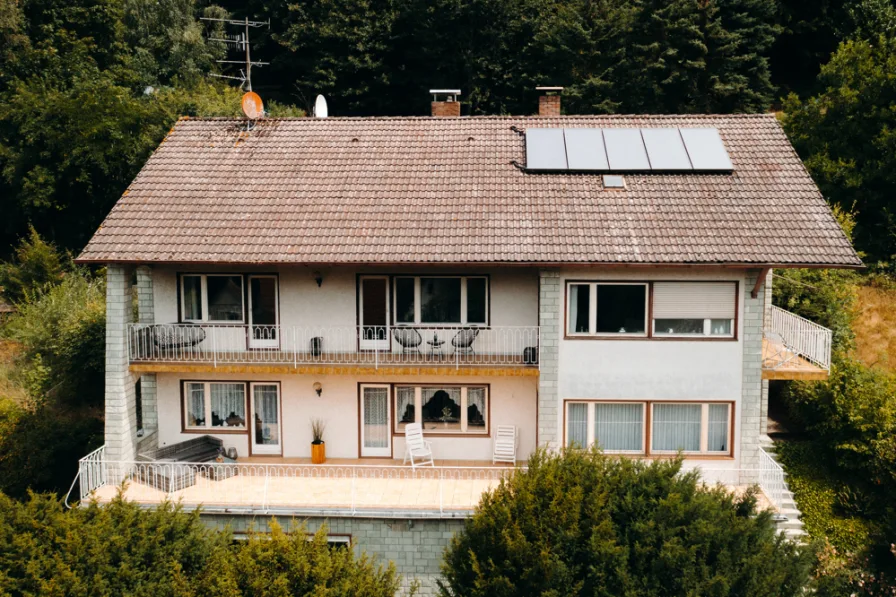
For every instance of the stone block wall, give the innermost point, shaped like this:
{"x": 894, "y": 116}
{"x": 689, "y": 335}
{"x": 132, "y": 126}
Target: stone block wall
{"x": 415, "y": 546}
{"x": 753, "y": 386}
{"x": 549, "y": 305}
{"x": 121, "y": 403}
{"x": 146, "y": 314}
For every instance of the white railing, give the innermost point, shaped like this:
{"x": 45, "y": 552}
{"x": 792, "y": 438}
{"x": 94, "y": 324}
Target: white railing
{"x": 92, "y": 471}
{"x": 805, "y": 338}
{"x": 771, "y": 479}
{"x": 452, "y": 491}
{"x": 356, "y": 345}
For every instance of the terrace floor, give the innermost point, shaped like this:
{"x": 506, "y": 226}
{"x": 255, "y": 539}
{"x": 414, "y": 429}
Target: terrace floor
{"x": 795, "y": 367}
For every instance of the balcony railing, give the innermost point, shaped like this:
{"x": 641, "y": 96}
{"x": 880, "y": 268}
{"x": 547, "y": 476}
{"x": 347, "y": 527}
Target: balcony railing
{"x": 439, "y": 491}
{"x": 804, "y": 338}
{"x": 358, "y": 345}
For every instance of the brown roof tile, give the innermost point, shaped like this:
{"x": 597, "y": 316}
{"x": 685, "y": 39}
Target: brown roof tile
{"x": 443, "y": 190}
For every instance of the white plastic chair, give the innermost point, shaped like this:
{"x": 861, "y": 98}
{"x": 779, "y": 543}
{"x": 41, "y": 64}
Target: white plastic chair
{"x": 416, "y": 449}
{"x": 504, "y": 449}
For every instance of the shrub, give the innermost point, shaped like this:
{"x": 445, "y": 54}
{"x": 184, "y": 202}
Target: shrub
{"x": 580, "y": 523}
{"x": 122, "y": 549}
{"x": 36, "y": 265}
{"x": 62, "y": 328}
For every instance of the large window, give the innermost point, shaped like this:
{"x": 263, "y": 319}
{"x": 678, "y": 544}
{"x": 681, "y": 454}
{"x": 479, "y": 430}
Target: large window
{"x": 442, "y": 409}
{"x": 694, "y": 308}
{"x": 441, "y": 300}
{"x": 678, "y": 309}
{"x": 212, "y": 298}
{"x": 217, "y": 406}
{"x": 607, "y": 309}
{"x": 621, "y": 427}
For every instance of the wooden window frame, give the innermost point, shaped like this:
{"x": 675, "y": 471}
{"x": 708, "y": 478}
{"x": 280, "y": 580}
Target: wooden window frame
{"x": 418, "y": 408}
{"x": 647, "y": 434}
{"x": 649, "y": 335}
{"x": 418, "y": 318}
{"x": 209, "y": 430}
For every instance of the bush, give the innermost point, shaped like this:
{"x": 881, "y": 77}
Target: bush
{"x": 62, "y": 328}
{"x": 123, "y": 549}
{"x": 36, "y": 265}
{"x": 40, "y": 447}
{"x": 580, "y": 523}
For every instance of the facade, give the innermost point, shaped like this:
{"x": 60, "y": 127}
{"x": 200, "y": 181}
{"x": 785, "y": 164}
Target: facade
{"x": 379, "y": 272}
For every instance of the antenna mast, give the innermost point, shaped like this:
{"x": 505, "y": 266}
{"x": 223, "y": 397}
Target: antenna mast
{"x": 241, "y": 41}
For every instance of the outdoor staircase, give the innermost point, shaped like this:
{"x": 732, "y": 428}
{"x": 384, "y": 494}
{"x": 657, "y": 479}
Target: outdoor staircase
{"x": 789, "y": 521}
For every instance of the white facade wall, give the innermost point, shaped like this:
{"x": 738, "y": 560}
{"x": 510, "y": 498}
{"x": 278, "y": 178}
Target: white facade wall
{"x": 513, "y": 402}
{"x": 513, "y": 293}
{"x": 648, "y": 369}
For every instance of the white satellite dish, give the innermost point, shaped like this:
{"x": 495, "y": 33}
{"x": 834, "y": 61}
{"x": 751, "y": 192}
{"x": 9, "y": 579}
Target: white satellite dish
{"x": 320, "y": 107}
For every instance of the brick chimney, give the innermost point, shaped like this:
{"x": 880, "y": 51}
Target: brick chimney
{"x": 549, "y": 101}
{"x": 449, "y": 106}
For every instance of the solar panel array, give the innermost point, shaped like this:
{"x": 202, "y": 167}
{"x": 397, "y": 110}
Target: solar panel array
{"x": 626, "y": 150}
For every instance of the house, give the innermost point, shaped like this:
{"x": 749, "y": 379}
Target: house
{"x": 584, "y": 279}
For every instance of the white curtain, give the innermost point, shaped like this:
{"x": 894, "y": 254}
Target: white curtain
{"x": 405, "y": 410}
{"x": 376, "y": 417}
{"x": 228, "y": 404}
{"x": 192, "y": 297}
{"x": 577, "y": 425}
{"x": 476, "y": 416}
{"x": 195, "y": 405}
{"x": 676, "y": 427}
{"x": 717, "y": 440}
{"x": 267, "y": 415}
{"x": 579, "y": 293}
{"x": 619, "y": 426}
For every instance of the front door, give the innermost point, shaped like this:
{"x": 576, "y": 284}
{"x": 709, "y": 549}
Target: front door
{"x": 263, "y": 316}
{"x": 266, "y": 425}
{"x": 374, "y": 313}
{"x": 376, "y": 439}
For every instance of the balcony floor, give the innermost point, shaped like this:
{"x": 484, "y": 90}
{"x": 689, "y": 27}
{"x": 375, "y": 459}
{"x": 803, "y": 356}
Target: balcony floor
{"x": 796, "y": 368}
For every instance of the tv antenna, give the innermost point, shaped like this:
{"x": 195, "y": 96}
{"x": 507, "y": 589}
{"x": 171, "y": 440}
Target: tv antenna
{"x": 241, "y": 42}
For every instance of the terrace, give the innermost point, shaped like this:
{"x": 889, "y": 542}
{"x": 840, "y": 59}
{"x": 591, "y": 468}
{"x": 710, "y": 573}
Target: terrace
{"x": 795, "y": 348}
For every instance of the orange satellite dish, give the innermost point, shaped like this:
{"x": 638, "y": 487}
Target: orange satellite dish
{"x": 252, "y": 105}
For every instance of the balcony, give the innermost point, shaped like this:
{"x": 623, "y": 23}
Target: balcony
{"x": 795, "y": 348}
{"x": 355, "y": 349}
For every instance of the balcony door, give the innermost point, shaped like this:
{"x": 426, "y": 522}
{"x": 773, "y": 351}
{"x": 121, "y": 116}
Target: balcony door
{"x": 266, "y": 425}
{"x": 373, "y": 313}
{"x": 376, "y": 436}
{"x": 263, "y": 312}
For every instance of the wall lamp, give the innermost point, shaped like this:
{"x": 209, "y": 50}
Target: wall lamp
{"x": 318, "y": 278}
{"x": 318, "y": 388}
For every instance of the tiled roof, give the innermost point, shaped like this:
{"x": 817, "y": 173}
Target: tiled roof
{"x": 444, "y": 190}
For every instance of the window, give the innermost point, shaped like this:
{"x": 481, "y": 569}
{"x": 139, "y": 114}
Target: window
{"x": 621, "y": 427}
{"x": 702, "y": 428}
{"x": 694, "y": 308}
{"x": 442, "y": 409}
{"x": 441, "y": 300}
{"x": 215, "y": 405}
{"x": 212, "y": 298}
{"x": 607, "y": 309}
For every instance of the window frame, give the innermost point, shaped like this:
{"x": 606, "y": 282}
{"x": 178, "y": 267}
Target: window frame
{"x": 650, "y": 324}
{"x": 593, "y": 309}
{"x": 418, "y": 307}
{"x": 647, "y": 428}
{"x": 203, "y": 291}
{"x": 208, "y": 429}
{"x": 418, "y": 409}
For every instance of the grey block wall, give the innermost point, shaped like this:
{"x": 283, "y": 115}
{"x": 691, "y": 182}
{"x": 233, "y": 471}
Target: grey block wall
{"x": 121, "y": 405}
{"x": 148, "y": 385}
{"x": 415, "y": 546}
{"x": 549, "y": 304}
{"x": 766, "y": 321}
{"x": 753, "y": 386}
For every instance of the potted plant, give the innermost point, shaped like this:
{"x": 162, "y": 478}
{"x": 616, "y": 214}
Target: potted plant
{"x": 318, "y": 447}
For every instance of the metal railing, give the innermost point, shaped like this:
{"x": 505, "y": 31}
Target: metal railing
{"x": 355, "y": 345}
{"x": 92, "y": 471}
{"x": 771, "y": 479}
{"x": 452, "y": 491}
{"x": 801, "y": 336}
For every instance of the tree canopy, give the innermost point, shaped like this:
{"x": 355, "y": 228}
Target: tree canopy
{"x": 581, "y": 523}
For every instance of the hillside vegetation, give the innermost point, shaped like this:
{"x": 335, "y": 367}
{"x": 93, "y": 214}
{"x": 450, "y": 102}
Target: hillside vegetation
{"x": 875, "y": 326}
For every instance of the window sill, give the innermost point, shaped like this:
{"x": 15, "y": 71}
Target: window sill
{"x": 215, "y": 431}
{"x": 428, "y": 434}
